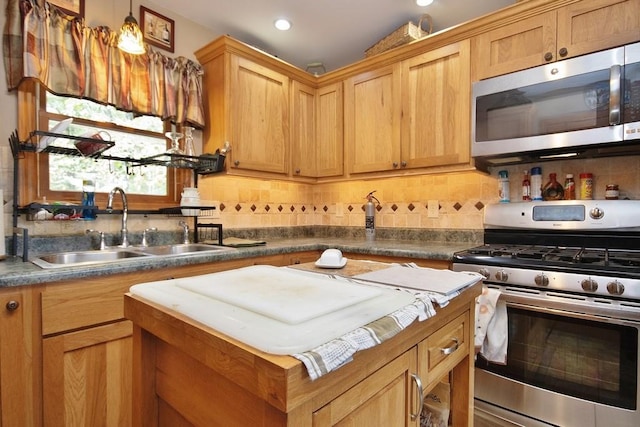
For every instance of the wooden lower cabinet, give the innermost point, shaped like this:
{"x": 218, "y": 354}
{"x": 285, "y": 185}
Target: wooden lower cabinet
{"x": 387, "y": 396}
{"x": 87, "y": 377}
{"x": 20, "y": 384}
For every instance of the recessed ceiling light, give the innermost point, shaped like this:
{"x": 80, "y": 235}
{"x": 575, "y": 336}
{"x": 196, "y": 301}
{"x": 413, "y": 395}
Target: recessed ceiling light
{"x": 282, "y": 24}
{"x": 424, "y": 2}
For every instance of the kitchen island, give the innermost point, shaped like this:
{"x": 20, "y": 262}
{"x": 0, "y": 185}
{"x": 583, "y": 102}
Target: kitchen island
{"x": 186, "y": 373}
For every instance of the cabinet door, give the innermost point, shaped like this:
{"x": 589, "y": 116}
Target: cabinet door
{"x": 259, "y": 117}
{"x": 372, "y": 120}
{"x": 387, "y": 397}
{"x": 450, "y": 350}
{"x": 303, "y": 132}
{"x": 19, "y": 360}
{"x": 87, "y": 377}
{"x": 591, "y": 25}
{"x": 329, "y": 130}
{"x": 523, "y": 44}
{"x": 435, "y": 112}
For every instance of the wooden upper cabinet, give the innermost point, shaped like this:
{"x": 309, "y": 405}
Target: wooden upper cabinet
{"x": 413, "y": 114}
{"x": 248, "y": 106}
{"x": 514, "y": 47}
{"x": 259, "y": 114}
{"x": 572, "y": 30}
{"x": 435, "y": 107}
{"x": 316, "y": 131}
{"x": 372, "y": 120}
{"x": 303, "y": 130}
{"x": 592, "y": 25}
{"x": 329, "y": 131}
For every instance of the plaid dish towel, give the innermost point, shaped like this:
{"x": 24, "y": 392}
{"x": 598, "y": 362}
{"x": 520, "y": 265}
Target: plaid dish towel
{"x": 330, "y": 356}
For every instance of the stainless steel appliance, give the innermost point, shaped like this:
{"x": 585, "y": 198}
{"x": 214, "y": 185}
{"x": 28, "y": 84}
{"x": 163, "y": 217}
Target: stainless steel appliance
{"x": 587, "y": 106}
{"x": 569, "y": 273}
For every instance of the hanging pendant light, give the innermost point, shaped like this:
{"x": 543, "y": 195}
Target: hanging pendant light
{"x": 130, "y": 38}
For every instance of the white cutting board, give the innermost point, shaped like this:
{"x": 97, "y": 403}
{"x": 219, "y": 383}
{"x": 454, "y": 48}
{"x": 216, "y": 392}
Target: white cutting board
{"x": 261, "y": 329}
{"x": 278, "y": 293}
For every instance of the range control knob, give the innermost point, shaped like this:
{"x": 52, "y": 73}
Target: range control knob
{"x": 615, "y": 288}
{"x": 596, "y": 213}
{"x": 502, "y": 276}
{"x": 485, "y": 273}
{"x": 589, "y": 285}
{"x": 541, "y": 280}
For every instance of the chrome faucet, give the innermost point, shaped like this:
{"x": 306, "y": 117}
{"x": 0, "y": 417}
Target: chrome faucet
{"x": 185, "y": 232}
{"x": 125, "y": 213}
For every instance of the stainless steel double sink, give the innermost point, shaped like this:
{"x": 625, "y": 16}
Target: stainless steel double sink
{"x": 77, "y": 258}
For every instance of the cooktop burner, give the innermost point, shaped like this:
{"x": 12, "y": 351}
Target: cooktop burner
{"x": 540, "y": 256}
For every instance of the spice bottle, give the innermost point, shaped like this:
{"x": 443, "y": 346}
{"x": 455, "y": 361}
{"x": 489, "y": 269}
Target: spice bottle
{"x": 503, "y": 186}
{"x": 569, "y": 187}
{"x": 586, "y": 186}
{"x": 526, "y": 187}
{"x": 536, "y": 183}
{"x": 553, "y": 190}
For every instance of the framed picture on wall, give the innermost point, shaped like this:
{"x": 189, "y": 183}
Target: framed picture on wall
{"x": 72, "y": 7}
{"x": 157, "y": 30}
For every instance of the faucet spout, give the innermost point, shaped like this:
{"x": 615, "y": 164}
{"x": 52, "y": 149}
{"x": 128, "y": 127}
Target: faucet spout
{"x": 185, "y": 232}
{"x": 125, "y": 213}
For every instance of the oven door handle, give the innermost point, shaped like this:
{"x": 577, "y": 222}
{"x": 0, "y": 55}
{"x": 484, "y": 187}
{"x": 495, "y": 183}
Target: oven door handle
{"x": 568, "y": 313}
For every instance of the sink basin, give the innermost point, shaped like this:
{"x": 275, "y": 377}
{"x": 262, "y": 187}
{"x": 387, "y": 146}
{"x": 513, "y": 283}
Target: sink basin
{"x": 181, "y": 249}
{"x": 72, "y": 259}
{"x": 67, "y": 259}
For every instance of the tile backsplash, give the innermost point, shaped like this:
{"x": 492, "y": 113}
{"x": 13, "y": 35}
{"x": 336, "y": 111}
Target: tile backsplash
{"x": 456, "y": 200}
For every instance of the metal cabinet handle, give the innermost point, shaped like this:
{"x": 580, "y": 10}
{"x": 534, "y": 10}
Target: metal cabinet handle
{"x": 563, "y": 52}
{"x": 448, "y": 350}
{"x": 418, "y": 383}
{"x": 395, "y": 165}
{"x": 298, "y": 171}
{"x": 548, "y": 56}
{"x": 403, "y": 164}
{"x": 12, "y": 305}
{"x": 236, "y": 163}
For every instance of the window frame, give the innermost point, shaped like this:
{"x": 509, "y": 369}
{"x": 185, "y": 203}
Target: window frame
{"x": 35, "y": 186}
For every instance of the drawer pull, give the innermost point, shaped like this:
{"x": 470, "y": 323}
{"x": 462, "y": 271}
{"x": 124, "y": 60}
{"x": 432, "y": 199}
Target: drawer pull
{"x": 416, "y": 380}
{"x": 448, "y": 350}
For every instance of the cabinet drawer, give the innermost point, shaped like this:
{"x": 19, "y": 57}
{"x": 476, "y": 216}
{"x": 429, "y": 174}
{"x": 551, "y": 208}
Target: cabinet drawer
{"x": 444, "y": 349}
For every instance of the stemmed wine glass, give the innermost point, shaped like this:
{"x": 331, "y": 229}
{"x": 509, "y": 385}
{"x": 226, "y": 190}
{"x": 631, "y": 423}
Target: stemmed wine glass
{"x": 175, "y": 144}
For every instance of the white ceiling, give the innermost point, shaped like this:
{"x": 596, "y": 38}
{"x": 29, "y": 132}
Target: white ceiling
{"x": 334, "y": 32}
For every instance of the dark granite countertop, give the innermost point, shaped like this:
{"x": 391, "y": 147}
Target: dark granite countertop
{"x": 14, "y": 272}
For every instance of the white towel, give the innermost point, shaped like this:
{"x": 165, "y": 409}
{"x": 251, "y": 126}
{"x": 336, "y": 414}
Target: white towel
{"x": 491, "y": 333}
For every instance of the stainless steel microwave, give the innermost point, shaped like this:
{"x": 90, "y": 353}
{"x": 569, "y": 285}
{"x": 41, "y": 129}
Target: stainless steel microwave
{"x": 587, "y": 106}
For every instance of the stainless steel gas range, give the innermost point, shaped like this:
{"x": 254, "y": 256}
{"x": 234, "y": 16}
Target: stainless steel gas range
{"x": 569, "y": 273}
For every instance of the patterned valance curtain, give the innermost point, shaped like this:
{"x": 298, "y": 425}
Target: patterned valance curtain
{"x": 69, "y": 58}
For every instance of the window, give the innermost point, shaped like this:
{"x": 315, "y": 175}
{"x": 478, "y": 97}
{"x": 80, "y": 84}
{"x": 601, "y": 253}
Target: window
{"x": 60, "y": 177}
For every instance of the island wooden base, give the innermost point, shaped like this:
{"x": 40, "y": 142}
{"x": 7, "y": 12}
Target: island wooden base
{"x": 186, "y": 374}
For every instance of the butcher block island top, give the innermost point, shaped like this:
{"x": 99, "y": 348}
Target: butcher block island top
{"x": 188, "y": 373}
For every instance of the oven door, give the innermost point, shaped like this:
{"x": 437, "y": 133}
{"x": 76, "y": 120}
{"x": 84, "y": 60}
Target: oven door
{"x": 571, "y": 361}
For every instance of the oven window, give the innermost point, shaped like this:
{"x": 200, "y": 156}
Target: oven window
{"x": 586, "y": 359}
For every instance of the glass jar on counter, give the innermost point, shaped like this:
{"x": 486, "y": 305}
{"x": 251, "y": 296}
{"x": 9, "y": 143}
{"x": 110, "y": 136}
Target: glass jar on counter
{"x": 612, "y": 192}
